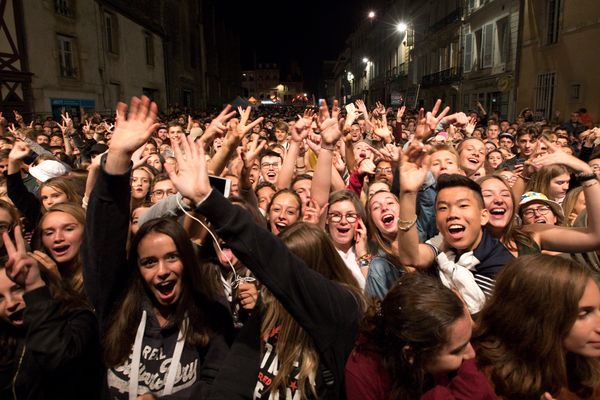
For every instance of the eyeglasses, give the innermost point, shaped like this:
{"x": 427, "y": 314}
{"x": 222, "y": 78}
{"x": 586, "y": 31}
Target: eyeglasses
{"x": 267, "y": 165}
{"x": 380, "y": 170}
{"x": 336, "y": 218}
{"x": 161, "y": 193}
{"x": 4, "y": 227}
{"x": 541, "y": 210}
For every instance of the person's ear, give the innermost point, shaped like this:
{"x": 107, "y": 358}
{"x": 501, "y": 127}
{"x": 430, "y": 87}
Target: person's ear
{"x": 485, "y": 216}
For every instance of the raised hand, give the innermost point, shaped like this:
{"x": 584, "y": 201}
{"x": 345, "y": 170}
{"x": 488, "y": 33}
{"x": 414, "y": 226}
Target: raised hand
{"x": 191, "y": 178}
{"x": 135, "y": 129}
{"x": 252, "y": 152}
{"x": 382, "y": 130}
{"x": 555, "y": 155}
{"x": 21, "y": 268}
{"x": 470, "y": 126}
{"x": 218, "y": 125}
{"x": 433, "y": 118}
{"x": 19, "y": 118}
{"x": 362, "y": 108}
{"x": 302, "y": 127}
{"x": 414, "y": 168}
{"x": 19, "y": 151}
{"x": 400, "y": 113}
{"x": 329, "y": 124}
{"x": 243, "y": 127}
{"x": 312, "y": 213}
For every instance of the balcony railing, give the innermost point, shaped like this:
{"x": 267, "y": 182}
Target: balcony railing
{"x": 444, "y": 77}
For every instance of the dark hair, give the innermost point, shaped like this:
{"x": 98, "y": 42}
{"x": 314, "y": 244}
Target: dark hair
{"x": 446, "y": 181}
{"x": 269, "y": 153}
{"x": 301, "y": 177}
{"x": 417, "y": 312}
{"x": 264, "y": 184}
{"x": 69, "y": 299}
{"x": 197, "y": 300}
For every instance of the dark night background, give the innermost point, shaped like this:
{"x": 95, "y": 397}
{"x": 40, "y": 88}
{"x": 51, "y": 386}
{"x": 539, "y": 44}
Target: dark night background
{"x": 305, "y": 32}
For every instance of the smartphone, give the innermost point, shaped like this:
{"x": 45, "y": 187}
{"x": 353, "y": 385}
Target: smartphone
{"x": 223, "y": 185}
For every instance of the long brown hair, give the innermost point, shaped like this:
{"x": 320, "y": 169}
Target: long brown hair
{"x": 382, "y": 242}
{"x": 312, "y": 245}
{"x": 416, "y": 313}
{"x": 65, "y": 185}
{"x": 523, "y": 325}
{"x": 569, "y": 204}
{"x": 70, "y": 301}
{"x": 72, "y": 272}
{"x": 513, "y": 233}
{"x": 196, "y": 300}
{"x": 541, "y": 182}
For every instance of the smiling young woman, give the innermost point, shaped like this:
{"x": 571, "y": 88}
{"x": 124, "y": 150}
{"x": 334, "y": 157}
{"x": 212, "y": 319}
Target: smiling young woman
{"x": 165, "y": 330}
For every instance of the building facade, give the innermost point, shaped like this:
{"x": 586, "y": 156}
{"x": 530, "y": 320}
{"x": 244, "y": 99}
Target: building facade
{"x": 92, "y": 53}
{"x": 490, "y": 34}
{"x": 559, "y": 55}
{"x": 89, "y": 54}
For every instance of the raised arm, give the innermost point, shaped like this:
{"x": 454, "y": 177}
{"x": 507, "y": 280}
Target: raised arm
{"x": 330, "y": 134}
{"x": 569, "y": 239}
{"x": 313, "y": 300}
{"x": 104, "y": 247}
{"x": 413, "y": 171}
{"x": 298, "y": 134}
{"x": 23, "y": 199}
{"x": 232, "y": 140}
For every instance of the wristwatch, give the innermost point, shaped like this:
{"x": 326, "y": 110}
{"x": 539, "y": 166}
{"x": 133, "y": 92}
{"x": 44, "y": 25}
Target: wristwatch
{"x": 363, "y": 263}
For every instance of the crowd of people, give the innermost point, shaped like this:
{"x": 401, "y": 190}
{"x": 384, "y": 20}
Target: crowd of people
{"x": 318, "y": 253}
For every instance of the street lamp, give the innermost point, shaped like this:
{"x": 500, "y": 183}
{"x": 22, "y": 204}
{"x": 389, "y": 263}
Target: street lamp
{"x": 371, "y": 14}
{"x": 401, "y": 27}
{"x": 365, "y": 60}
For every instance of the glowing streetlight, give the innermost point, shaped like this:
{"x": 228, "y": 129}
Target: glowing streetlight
{"x": 371, "y": 14}
{"x": 365, "y": 60}
{"x": 401, "y": 27}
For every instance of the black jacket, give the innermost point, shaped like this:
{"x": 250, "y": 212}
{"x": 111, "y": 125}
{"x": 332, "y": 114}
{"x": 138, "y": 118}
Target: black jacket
{"x": 107, "y": 275}
{"x": 57, "y": 355}
{"x": 327, "y": 311}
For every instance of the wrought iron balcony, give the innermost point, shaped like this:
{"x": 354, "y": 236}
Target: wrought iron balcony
{"x": 444, "y": 77}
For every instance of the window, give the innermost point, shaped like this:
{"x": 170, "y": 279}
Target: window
{"x": 503, "y": 29}
{"x": 149, "y": 46}
{"x": 67, "y": 57}
{"x": 65, "y": 8}
{"x": 544, "y": 94}
{"x": 575, "y": 92}
{"x": 468, "y": 61}
{"x": 111, "y": 29}
{"x": 487, "y": 46}
{"x": 553, "y": 13}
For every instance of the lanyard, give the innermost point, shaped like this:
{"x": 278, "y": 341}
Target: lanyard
{"x": 134, "y": 374}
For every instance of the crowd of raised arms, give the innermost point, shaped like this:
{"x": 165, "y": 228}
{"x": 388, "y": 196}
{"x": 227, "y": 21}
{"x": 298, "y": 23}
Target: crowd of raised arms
{"x": 353, "y": 254}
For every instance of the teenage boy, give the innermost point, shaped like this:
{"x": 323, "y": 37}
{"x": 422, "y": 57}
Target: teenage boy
{"x": 526, "y": 144}
{"x": 464, "y": 255}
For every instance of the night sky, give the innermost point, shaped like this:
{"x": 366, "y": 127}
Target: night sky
{"x": 306, "y": 32}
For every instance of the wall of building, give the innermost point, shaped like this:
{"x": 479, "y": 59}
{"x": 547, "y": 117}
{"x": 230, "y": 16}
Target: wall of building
{"x": 94, "y": 78}
{"x": 572, "y": 60}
